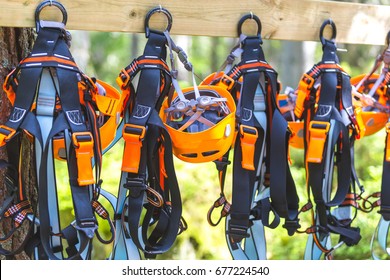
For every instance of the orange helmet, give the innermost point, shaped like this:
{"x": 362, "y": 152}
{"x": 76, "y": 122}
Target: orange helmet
{"x": 201, "y": 122}
{"x": 374, "y": 108}
{"x": 108, "y": 101}
{"x": 286, "y": 104}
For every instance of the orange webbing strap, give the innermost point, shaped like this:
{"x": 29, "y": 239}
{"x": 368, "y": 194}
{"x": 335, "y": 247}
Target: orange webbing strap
{"x": 303, "y": 93}
{"x": 163, "y": 172}
{"x": 249, "y": 137}
{"x": 318, "y": 132}
{"x": 133, "y": 136}
{"x": 83, "y": 144}
{"x": 6, "y": 133}
{"x": 8, "y": 89}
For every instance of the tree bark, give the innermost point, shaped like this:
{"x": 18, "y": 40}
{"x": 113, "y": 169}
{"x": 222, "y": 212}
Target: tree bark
{"x": 15, "y": 44}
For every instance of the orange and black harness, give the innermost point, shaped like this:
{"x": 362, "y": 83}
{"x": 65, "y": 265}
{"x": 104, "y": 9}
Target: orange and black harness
{"x": 262, "y": 181}
{"x": 54, "y": 105}
{"x": 324, "y": 102}
{"x": 148, "y": 178}
{"x": 377, "y": 88}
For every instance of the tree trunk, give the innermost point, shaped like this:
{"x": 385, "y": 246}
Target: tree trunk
{"x": 15, "y": 43}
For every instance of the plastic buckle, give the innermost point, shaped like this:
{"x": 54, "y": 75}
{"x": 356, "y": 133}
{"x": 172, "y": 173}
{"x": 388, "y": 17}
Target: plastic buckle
{"x": 136, "y": 187}
{"x": 318, "y": 132}
{"x": 87, "y": 226}
{"x": 228, "y": 81}
{"x": 249, "y": 137}
{"x": 133, "y": 136}
{"x": 83, "y": 143}
{"x": 6, "y": 133}
{"x": 237, "y": 232}
{"x": 385, "y": 212}
{"x": 308, "y": 80}
{"x": 123, "y": 79}
{"x": 291, "y": 226}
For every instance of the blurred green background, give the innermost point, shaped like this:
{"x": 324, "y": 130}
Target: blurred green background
{"x": 103, "y": 55}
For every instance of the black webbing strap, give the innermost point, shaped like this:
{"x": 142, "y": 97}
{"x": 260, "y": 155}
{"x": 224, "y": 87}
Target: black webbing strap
{"x": 328, "y": 122}
{"x": 51, "y": 51}
{"x": 251, "y": 67}
{"x": 71, "y": 120}
{"x": 385, "y": 186}
{"x": 145, "y": 121}
{"x": 243, "y": 178}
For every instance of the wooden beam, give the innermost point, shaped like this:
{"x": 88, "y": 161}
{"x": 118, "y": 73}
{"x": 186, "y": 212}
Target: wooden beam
{"x": 297, "y": 20}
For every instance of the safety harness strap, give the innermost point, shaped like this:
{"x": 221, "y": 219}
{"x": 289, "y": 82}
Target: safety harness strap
{"x": 385, "y": 188}
{"x": 328, "y": 145}
{"x": 143, "y": 132}
{"x": 252, "y": 153}
{"x": 245, "y": 145}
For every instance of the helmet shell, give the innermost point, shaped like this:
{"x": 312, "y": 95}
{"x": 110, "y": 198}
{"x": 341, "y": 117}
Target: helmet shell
{"x": 208, "y": 144}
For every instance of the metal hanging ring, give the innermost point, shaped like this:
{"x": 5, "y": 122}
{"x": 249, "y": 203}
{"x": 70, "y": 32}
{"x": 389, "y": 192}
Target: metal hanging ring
{"x": 44, "y": 4}
{"x": 334, "y": 30}
{"x": 249, "y": 16}
{"x": 158, "y": 9}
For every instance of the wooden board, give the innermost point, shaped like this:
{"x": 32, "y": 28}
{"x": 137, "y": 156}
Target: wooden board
{"x": 281, "y": 19}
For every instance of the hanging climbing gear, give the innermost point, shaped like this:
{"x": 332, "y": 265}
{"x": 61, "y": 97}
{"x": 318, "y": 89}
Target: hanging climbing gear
{"x": 200, "y": 121}
{"x": 260, "y": 150}
{"x": 148, "y": 177}
{"x": 373, "y": 91}
{"x": 324, "y": 103}
{"x": 63, "y": 114}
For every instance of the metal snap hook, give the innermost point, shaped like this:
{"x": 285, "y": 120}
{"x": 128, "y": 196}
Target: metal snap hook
{"x": 249, "y": 16}
{"x": 50, "y": 3}
{"x": 159, "y": 9}
{"x": 334, "y": 31}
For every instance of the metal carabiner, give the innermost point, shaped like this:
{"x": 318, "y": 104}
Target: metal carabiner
{"x": 157, "y": 10}
{"x": 50, "y": 3}
{"x": 249, "y": 16}
{"x": 334, "y": 30}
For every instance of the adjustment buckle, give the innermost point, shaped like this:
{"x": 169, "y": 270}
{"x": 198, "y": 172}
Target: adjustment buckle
{"x": 136, "y": 187}
{"x": 88, "y": 226}
{"x": 307, "y": 81}
{"x": 318, "y": 132}
{"x": 249, "y": 137}
{"x": 237, "y": 232}
{"x": 6, "y": 133}
{"x": 228, "y": 82}
{"x": 291, "y": 226}
{"x": 305, "y": 85}
{"x": 133, "y": 136}
{"x": 385, "y": 212}
{"x": 123, "y": 79}
{"x": 83, "y": 143}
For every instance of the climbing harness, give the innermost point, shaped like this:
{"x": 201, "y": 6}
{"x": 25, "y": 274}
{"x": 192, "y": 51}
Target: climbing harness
{"x": 260, "y": 150}
{"x": 63, "y": 114}
{"x": 324, "y": 103}
{"x": 148, "y": 179}
{"x": 372, "y": 91}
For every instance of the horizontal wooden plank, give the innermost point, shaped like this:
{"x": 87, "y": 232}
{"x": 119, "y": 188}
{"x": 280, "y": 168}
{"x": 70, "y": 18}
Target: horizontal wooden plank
{"x": 281, "y": 19}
